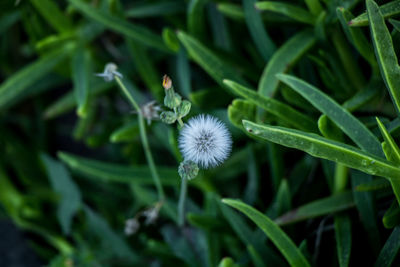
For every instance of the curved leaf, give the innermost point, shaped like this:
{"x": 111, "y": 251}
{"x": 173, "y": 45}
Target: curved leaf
{"x": 285, "y": 245}
{"x": 284, "y": 58}
{"x": 284, "y": 112}
{"x": 349, "y": 124}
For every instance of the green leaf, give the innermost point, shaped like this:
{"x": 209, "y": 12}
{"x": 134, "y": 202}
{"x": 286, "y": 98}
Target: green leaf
{"x": 262, "y": 40}
{"x": 384, "y": 52}
{"x": 283, "y": 59}
{"x": 147, "y": 71}
{"x": 109, "y": 239}
{"x": 70, "y": 196}
{"x": 68, "y": 101}
{"x": 81, "y": 75}
{"x": 227, "y": 262}
{"x": 343, "y": 239}
{"x": 391, "y": 218}
{"x": 366, "y": 208}
{"x": 388, "y": 10}
{"x": 390, "y": 249}
{"x": 392, "y": 153}
{"x": 126, "y": 133}
{"x": 195, "y": 18}
{"x": 146, "y": 10}
{"x": 241, "y": 110}
{"x": 292, "y": 11}
{"x": 375, "y": 184}
{"x": 356, "y": 36}
{"x": 349, "y": 124}
{"x": 183, "y": 73}
{"x": 137, "y": 33}
{"x": 274, "y": 233}
{"x": 318, "y": 146}
{"x": 17, "y": 84}
{"x": 117, "y": 173}
{"x": 53, "y": 15}
{"x": 286, "y": 113}
{"x": 213, "y": 65}
{"x": 316, "y": 208}
{"x": 248, "y": 237}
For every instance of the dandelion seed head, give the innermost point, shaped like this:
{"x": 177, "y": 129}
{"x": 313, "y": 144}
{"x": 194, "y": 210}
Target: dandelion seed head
{"x": 205, "y": 140}
{"x": 110, "y": 70}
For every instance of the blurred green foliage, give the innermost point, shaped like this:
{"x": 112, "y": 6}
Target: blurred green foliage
{"x": 316, "y": 76}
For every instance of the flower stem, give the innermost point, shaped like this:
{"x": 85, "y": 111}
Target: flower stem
{"x": 145, "y": 143}
{"x": 181, "y": 204}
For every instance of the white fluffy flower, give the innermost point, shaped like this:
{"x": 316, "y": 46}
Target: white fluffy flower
{"x": 205, "y": 140}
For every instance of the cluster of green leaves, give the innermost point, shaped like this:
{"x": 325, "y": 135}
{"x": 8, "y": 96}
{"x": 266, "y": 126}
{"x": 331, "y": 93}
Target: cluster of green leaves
{"x": 308, "y": 76}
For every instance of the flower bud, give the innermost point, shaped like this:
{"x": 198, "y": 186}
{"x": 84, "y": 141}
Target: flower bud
{"x": 167, "y": 82}
{"x": 168, "y": 117}
{"x": 172, "y": 100}
{"x": 184, "y": 109}
{"x": 188, "y": 170}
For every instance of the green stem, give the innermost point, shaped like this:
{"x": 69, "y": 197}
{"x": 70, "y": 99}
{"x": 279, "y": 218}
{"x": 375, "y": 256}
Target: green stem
{"x": 181, "y": 204}
{"x": 314, "y": 6}
{"x": 145, "y": 143}
{"x": 350, "y": 66}
{"x": 341, "y": 177}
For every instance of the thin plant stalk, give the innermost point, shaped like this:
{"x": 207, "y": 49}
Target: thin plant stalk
{"x": 145, "y": 143}
{"x": 181, "y": 204}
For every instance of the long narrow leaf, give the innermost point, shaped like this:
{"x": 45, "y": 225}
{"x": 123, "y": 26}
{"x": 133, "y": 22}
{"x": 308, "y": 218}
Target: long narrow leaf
{"x": 213, "y": 65}
{"x": 285, "y": 245}
{"x": 318, "y": 146}
{"x": 264, "y": 44}
{"x": 390, "y": 249}
{"x": 320, "y": 207}
{"x": 292, "y": 11}
{"x": 349, "y": 124}
{"x": 388, "y": 10}
{"x": 138, "y": 33}
{"x": 284, "y": 58}
{"x": 20, "y": 81}
{"x": 384, "y": 52}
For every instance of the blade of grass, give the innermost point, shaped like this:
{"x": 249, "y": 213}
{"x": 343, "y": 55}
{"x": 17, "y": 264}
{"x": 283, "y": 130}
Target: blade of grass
{"x": 281, "y": 110}
{"x": 390, "y": 249}
{"x": 388, "y": 10}
{"x": 366, "y": 208}
{"x": 248, "y": 237}
{"x": 81, "y": 75}
{"x": 53, "y": 15}
{"x": 274, "y": 233}
{"x": 21, "y": 80}
{"x": 262, "y": 40}
{"x": 392, "y": 153}
{"x": 356, "y": 36}
{"x": 115, "y": 172}
{"x": 147, "y": 10}
{"x": 137, "y": 33}
{"x": 384, "y": 52}
{"x": 343, "y": 239}
{"x": 63, "y": 184}
{"x": 349, "y": 124}
{"x": 292, "y": 11}
{"x": 283, "y": 59}
{"x": 213, "y": 65}
{"x": 146, "y": 69}
{"x": 316, "y": 208}
{"x": 318, "y": 146}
